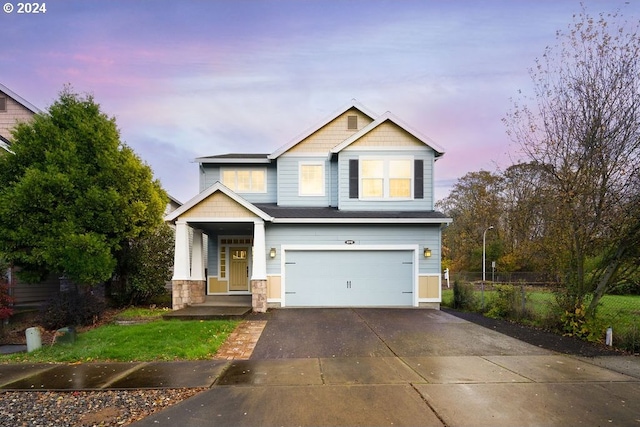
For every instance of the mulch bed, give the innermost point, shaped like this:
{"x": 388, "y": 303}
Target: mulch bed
{"x": 538, "y": 337}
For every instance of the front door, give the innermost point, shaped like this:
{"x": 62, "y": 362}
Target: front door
{"x": 239, "y": 277}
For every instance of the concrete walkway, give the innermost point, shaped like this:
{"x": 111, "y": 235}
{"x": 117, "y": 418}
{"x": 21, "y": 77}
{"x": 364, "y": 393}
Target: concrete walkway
{"x": 373, "y": 367}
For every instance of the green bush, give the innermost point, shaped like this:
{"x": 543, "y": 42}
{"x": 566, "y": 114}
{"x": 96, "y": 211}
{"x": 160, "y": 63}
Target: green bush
{"x": 71, "y": 308}
{"x": 144, "y": 268}
{"x": 505, "y": 302}
{"x": 576, "y": 323}
{"x": 464, "y": 296}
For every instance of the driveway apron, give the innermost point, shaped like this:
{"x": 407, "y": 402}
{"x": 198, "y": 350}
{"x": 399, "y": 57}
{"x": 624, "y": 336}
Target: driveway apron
{"x": 406, "y": 367}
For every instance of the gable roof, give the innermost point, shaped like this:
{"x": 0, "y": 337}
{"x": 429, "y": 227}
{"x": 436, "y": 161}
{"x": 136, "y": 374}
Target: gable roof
{"x": 351, "y": 105}
{"x": 208, "y": 192}
{"x": 20, "y": 100}
{"x": 388, "y": 117}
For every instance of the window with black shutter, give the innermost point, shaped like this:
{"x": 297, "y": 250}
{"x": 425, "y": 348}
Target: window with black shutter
{"x": 353, "y": 179}
{"x": 418, "y": 179}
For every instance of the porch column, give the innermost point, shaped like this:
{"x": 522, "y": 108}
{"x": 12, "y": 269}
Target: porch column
{"x": 197, "y": 256}
{"x": 181, "y": 258}
{"x": 259, "y": 270}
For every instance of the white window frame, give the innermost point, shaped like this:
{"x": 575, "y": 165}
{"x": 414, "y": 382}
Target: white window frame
{"x": 386, "y": 178}
{"x": 323, "y": 178}
{"x": 251, "y": 171}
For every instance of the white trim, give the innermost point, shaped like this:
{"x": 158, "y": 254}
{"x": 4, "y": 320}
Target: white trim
{"x": 439, "y": 276}
{"x": 214, "y": 219}
{"x": 244, "y": 161}
{"x": 323, "y": 178}
{"x": 345, "y": 247}
{"x": 386, "y": 149}
{"x": 361, "y": 220}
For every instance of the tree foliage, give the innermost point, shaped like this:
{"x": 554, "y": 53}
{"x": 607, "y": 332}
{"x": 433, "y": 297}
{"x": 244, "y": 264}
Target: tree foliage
{"x": 73, "y": 193}
{"x": 144, "y": 267}
{"x": 573, "y": 207}
{"x": 474, "y": 203}
{"x": 583, "y": 131}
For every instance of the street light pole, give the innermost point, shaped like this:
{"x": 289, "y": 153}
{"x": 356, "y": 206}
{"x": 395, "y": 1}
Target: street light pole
{"x": 484, "y": 241}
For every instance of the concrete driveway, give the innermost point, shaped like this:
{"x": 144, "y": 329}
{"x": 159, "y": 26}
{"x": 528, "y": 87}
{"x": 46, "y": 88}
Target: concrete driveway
{"x": 407, "y": 367}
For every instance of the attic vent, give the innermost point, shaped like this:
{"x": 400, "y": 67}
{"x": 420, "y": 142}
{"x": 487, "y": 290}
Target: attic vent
{"x": 3, "y": 103}
{"x": 352, "y": 122}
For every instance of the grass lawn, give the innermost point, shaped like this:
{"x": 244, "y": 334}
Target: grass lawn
{"x": 619, "y": 311}
{"x": 155, "y": 340}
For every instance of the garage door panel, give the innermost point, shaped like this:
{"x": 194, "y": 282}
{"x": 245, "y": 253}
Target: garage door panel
{"x": 349, "y": 278}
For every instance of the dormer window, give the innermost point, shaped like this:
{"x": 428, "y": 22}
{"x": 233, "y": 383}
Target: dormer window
{"x": 352, "y": 122}
{"x": 3, "y": 104}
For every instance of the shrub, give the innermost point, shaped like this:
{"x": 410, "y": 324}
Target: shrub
{"x": 463, "y": 296}
{"x": 576, "y": 323}
{"x": 5, "y": 301}
{"x": 144, "y": 268}
{"x": 504, "y": 303}
{"x": 71, "y": 308}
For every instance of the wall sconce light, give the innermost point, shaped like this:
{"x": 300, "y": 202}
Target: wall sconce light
{"x": 272, "y": 253}
{"x": 427, "y": 252}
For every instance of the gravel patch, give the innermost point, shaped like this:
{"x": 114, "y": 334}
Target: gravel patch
{"x": 85, "y": 408}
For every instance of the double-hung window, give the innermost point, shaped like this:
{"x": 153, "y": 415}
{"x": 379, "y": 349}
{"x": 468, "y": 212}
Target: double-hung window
{"x": 311, "y": 179}
{"x": 245, "y": 180}
{"x": 386, "y": 178}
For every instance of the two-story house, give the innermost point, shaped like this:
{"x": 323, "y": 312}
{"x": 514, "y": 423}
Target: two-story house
{"x": 342, "y": 216}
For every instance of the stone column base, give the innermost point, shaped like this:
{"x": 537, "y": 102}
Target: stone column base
{"x": 259, "y": 296}
{"x": 186, "y": 292}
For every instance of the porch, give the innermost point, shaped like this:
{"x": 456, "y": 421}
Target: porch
{"x": 214, "y": 307}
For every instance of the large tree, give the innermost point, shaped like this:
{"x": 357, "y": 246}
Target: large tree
{"x": 582, "y": 129}
{"x": 73, "y": 194}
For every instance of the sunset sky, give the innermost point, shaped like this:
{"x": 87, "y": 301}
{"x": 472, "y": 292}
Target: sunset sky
{"x": 188, "y": 78}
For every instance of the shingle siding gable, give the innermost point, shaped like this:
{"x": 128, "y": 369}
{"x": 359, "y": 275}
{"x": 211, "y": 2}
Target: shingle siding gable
{"x": 330, "y": 135}
{"x": 13, "y": 114}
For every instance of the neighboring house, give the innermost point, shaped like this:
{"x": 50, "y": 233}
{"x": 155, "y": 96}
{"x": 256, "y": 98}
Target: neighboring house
{"x": 13, "y": 110}
{"x": 340, "y": 217}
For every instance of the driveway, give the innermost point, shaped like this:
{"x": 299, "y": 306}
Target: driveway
{"x": 380, "y": 332}
{"x": 406, "y": 367}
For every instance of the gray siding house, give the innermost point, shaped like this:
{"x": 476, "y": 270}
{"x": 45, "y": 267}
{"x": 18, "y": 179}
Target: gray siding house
{"x": 343, "y": 216}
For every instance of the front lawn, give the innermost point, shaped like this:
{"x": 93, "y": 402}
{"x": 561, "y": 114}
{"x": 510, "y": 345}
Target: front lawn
{"x": 154, "y": 340}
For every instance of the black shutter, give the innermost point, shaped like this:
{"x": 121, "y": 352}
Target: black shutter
{"x": 418, "y": 179}
{"x": 353, "y": 178}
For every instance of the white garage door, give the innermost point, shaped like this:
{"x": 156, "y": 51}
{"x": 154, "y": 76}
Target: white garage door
{"x": 349, "y": 278}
